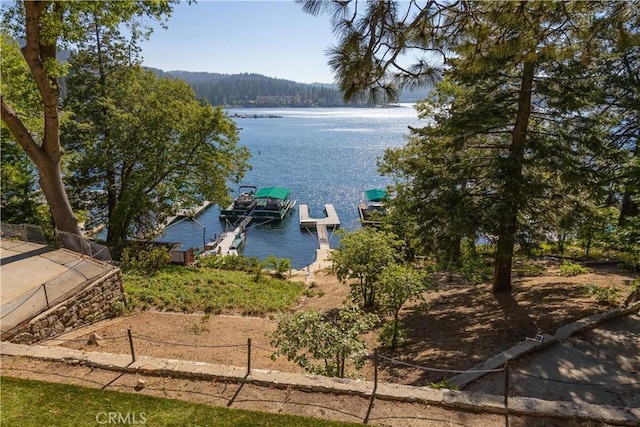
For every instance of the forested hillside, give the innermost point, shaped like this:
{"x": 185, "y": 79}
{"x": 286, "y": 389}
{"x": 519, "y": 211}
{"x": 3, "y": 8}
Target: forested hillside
{"x": 256, "y": 90}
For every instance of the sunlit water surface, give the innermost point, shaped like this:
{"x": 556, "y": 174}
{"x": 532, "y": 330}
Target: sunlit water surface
{"x": 323, "y": 155}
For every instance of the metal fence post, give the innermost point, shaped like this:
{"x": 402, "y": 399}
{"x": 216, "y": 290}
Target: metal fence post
{"x": 375, "y": 370}
{"x": 506, "y": 385}
{"x": 133, "y": 353}
{"x": 46, "y": 297}
{"x": 248, "y": 357}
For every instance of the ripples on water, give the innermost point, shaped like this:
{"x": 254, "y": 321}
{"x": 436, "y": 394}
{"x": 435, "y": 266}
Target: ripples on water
{"x": 324, "y": 155}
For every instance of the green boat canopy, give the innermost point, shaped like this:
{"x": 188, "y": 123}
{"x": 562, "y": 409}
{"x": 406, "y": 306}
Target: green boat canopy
{"x": 273, "y": 192}
{"x": 376, "y": 195}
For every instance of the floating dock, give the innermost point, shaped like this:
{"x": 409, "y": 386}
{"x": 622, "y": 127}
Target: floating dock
{"x": 330, "y": 221}
{"x": 186, "y": 213}
{"x": 229, "y": 242}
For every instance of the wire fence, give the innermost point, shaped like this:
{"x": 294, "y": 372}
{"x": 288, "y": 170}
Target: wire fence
{"x": 70, "y": 241}
{"x": 79, "y": 271}
{"x": 79, "y": 274}
{"x": 377, "y": 359}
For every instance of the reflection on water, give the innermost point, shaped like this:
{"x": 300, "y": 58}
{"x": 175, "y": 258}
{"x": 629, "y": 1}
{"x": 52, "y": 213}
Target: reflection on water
{"x": 323, "y": 155}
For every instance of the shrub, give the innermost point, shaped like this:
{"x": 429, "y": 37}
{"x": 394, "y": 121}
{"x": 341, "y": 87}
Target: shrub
{"x": 604, "y": 295}
{"x": 475, "y": 269}
{"x": 569, "y": 268}
{"x": 230, "y": 262}
{"x": 393, "y": 335}
{"x": 323, "y": 343}
{"x": 143, "y": 261}
{"x": 528, "y": 270}
{"x": 280, "y": 265}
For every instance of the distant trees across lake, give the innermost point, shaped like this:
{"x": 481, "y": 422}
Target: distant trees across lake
{"x": 256, "y": 90}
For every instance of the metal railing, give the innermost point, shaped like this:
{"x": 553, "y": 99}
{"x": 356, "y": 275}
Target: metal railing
{"x": 70, "y": 241}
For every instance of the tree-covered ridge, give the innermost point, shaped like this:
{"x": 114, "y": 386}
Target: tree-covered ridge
{"x": 257, "y": 90}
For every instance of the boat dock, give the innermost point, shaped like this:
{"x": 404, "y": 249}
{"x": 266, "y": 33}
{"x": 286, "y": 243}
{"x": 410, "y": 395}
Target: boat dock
{"x": 330, "y": 221}
{"x": 228, "y": 243}
{"x": 186, "y": 213}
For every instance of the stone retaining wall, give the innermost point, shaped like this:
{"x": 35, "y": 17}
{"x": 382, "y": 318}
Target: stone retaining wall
{"x": 101, "y": 299}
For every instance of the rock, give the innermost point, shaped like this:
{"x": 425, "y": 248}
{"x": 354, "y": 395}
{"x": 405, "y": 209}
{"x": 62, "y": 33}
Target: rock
{"x": 140, "y": 384}
{"x": 24, "y": 338}
{"x": 94, "y": 339}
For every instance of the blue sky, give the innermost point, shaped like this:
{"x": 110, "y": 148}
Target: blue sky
{"x": 273, "y": 38}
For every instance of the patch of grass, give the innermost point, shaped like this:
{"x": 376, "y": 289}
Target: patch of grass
{"x": 604, "y": 295}
{"x": 528, "y": 270}
{"x": 444, "y": 384}
{"x": 569, "y": 268}
{"x": 28, "y": 403}
{"x": 176, "y": 288}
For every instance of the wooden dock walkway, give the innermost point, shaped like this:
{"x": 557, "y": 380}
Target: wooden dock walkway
{"x": 330, "y": 221}
{"x": 186, "y": 213}
{"x": 227, "y": 242}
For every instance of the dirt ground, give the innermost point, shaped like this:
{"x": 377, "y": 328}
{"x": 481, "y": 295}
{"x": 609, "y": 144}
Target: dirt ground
{"x": 456, "y": 327}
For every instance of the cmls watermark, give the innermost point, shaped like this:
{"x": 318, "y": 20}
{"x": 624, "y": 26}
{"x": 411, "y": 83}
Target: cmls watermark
{"x": 131, "y": 418}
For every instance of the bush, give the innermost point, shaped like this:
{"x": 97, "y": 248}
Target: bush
{"x": 604, "y": 295}
{"x": 475, "y": 269}
{"x": 145, "y": 262}
{"x": 230, "y": 263}
{"x": 392, "y": 335}
{"x": 280, "y": 265}
{"x": 528, "y": 270}
{"x": 569, "y": 268}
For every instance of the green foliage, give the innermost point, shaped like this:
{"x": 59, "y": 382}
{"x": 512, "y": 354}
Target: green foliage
{"x": 22, "y": 200}
{"x": 147, "y": 262}
{"x": 395, "y": 286}
{"x": 544, "y": 159}
{"x": 569, "y": 268}
{"x": 147, "y": 142}
{"x": 280, "y": 265}
{"x": 604, "y": 295}
{"x": 323, "y": 343}
{"x": 393, "y": 334}
{"x": 190, "y": 289}
{"x": 48, "y": 28}
{"x": 230, "y": 262}
{"x": 528, "y": 270}
{"x": 476, "y": 269}
{"x": 362, "y": 255}
{"x": 444, "y": 385}
{"x": 116, "y": 309}
{"x": 255, "y": 90}
{"x": 29, "y": 403}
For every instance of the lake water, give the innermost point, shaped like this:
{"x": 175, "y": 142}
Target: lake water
{"x": 323, "y": 155}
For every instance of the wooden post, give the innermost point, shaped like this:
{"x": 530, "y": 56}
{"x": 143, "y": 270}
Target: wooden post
{"x": 133, "y": 353}
{"x": 248, "y": 357}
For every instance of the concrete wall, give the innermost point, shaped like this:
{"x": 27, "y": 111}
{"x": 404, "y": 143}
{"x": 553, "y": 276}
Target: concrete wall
{"x": 101, "y": 299}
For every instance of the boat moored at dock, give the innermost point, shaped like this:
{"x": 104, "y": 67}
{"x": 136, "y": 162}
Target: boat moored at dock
{"x": 373, "y": 208}
{"x": 242, "y": 204}
{"x": 272, "y": 203}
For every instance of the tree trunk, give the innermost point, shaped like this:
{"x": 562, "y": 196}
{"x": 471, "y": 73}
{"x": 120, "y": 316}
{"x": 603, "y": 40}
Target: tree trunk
{"x": 47, "y": 156}
{"x": 628, "y": 210}
{"x": 512, "y": 193}
{"x": 48, "y": 164}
